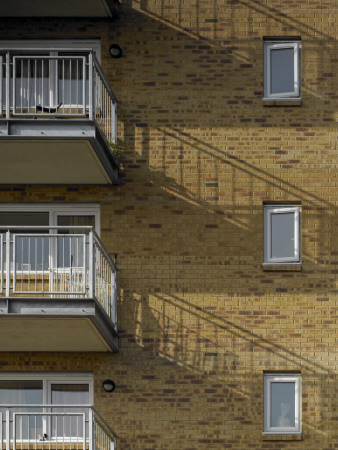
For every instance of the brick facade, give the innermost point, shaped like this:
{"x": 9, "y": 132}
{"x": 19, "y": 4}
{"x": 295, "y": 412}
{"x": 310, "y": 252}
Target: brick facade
{"x": 199, "y": 316}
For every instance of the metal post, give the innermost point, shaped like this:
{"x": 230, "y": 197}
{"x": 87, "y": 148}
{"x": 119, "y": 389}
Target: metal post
{"x": 8, "y": 438}
{"x": 91, "y": 430}
{"x": 84, "y": 430}
{"x": 14, "y": 432}
{"x": 8, "y": 263}
{"x": 91, "y": 88}
{"x": 114, "y": 306}
{"x": 91, "y": 267}
{"x": 8, "y": 74}
{"x": 115, "y": 123}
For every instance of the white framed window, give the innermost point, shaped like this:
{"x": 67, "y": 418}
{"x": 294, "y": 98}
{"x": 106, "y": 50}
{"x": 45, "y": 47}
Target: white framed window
{"x": 282, "y": 403}
{"x": 48, "y": 214}
{"x": 26, "y": 397}
{"x": 282, "y": 243}
{"x": 282, "y": 69}
{"x": 33, "y": 251}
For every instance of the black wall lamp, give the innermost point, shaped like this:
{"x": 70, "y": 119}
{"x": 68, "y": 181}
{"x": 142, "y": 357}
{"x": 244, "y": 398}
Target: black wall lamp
{"x": 108, "y": 385}
{"x": 115, "y": 51}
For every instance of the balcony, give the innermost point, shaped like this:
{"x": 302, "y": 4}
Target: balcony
{"x": 52, "y": 427}
{"x": 57, "y": 290}
{"x": 61, "y": 8}
{"x": 58, "y": 118}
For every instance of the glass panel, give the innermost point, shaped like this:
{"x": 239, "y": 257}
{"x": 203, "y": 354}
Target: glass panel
{"x": 283, "y": 404}
{"x": 75, "y": 221}
{"x": 69, "y": 394}
{"x": 70, "y": 250}
{"x": 26, "y": 393}
{"x": 31, "y": 253}
{"x": 283, "y": 235}
{"x": 70, "y": 82}
{"x": 282, "y": 70}
{"x": 24, "y": 219}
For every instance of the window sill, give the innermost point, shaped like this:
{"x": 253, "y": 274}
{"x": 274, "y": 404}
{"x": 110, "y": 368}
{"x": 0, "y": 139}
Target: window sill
{"x": 282, "y": 267}
{"x": 282, "y": 102}
{"x": 282, "y": 437}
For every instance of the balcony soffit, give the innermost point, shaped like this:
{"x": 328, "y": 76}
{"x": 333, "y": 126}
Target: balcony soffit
{"x": 61, "y": 8}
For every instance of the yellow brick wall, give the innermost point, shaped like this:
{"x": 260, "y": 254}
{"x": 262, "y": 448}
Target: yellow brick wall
{"x": 199, "y": 318}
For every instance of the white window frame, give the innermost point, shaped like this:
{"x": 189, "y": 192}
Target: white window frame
{"x": 47, "y": 381}
{"x": 269, "y": 210}
{"x": 54, "y": 44}
{"x": 55, "y": 210}
{"x": 51, "y": 378}
{"x": 282, "y": 378}
{"x": 268, "y": 48}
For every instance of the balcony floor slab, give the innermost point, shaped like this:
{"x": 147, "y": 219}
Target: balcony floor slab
{"x": 55, "y": 152}
{"x": 55, "y": 325}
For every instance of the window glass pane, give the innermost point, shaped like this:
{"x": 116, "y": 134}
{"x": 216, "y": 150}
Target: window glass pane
{"x": 20, "y": 392}
{"x": 23, "y": 392}
{"x": 69, "y": 394}
{"x": 282, "y": 70}
{"x": 283, "y": 235}
{"x": 282, "y": 404}
{"x": 24, "y": 218}
{"x": 75, "y": 221}
{"x": 31, "y": 253}
{"x": 71, "y": 250}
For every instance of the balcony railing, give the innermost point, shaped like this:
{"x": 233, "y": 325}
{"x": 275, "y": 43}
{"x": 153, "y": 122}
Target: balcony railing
{"x": 57, "y": 83}
{"x": 52, "y": 427}
{"x": 57, "y": 262}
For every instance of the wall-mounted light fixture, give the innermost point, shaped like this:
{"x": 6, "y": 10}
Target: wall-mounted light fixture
{"x": 115, "y": 51}
{"x": 108, "y": 385}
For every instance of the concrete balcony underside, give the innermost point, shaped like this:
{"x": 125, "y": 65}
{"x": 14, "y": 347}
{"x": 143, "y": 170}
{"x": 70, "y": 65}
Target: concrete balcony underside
{"x": 57, "y": 151}
{"x": 55, "y": 325}
{"x": 61, "y": 8}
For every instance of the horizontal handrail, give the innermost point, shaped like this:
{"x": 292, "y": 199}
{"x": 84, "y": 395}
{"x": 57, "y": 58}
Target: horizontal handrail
{"x": 44, "y": 405}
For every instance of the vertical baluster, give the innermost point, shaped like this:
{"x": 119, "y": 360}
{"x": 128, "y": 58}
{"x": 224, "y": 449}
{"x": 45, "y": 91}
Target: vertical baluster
{"x": 63, "y": 86}
{"x": 63, "y": 432}
{"x": 42, "y": 82}
{"x": 8, "y": 72}
{"x": 35, "y": 83}
{"x": 35, "y": 430}
{"x": 43, "y": 264}
{"x": 107, "y": 114}
{"x": 28, "y": 263}
{"x": 21, "y": 86}
{"x": 28, "y": 84}
{"x": 70, "y": 90}
{"x": 20, "y": 263}
{"x": 21, "y": 430}
{"x": 77, "y": 86}
{"x": 56, "y": 431}
{"x": 36, "y": 264}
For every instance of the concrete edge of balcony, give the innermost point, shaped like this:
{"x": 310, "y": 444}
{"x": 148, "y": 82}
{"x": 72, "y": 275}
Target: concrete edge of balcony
{"x": 57, "y": 9}
{"x": 63, "y": 129}
{"x": 61, "y": 308}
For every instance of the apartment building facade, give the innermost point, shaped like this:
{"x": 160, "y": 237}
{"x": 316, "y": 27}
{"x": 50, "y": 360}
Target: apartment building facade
{"x": 168, "y": 225}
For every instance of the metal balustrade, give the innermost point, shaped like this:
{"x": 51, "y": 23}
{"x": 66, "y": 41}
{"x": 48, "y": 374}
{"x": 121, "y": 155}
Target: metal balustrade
{"x": 59, "y": 83}
{"x": 51, "y": 427}
{"x": 57, "y": 262}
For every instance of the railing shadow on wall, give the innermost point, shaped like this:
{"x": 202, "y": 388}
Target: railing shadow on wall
{"x": 195, "y": 338}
